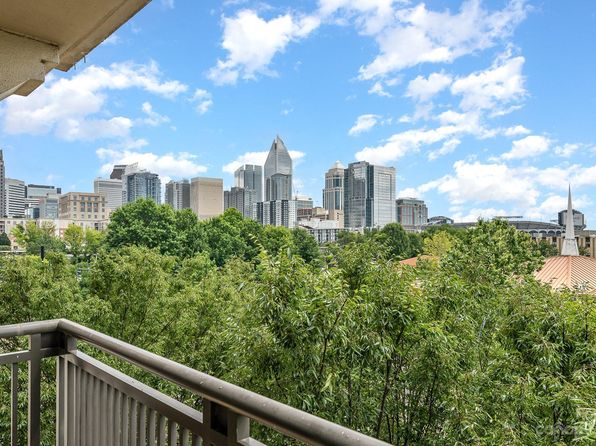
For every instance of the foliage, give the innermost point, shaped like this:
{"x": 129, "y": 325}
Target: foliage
{"x": 33, "y": 237}
{"x": 467, "y": 350}
{"x": 81, "y": 243}
{"x": 4, "y": 240}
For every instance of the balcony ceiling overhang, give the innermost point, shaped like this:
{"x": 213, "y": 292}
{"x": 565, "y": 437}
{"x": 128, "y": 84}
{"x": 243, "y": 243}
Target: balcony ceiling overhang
{"x": 39, "y": 35}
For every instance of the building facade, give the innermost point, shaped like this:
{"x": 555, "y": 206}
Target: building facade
{"x": 2, "y": 185}
{"x": 112, "y": 189}
{"x": 14, "y": 200}
{"x": 411, "y": 213}
{"x": 369, "y": 195}
{"x": 579, "y": 220}
{"x": 178, "y": 194}
{"x": 83, "y": 206}
{"x": 49, "y": 207}
{"x": 276, "y": 213}
{"x": 333, "y": 193}
{"x": 118, "y": 171}
{"x": 140, "y": 184}
{"x": 241, "y": 199}
{"x": 206, "y": 197}
{"x": 250, "y": 177}
{"x": 278, "y": 172}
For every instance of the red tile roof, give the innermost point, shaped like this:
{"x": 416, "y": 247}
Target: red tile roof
{"x": 569, "y": 272}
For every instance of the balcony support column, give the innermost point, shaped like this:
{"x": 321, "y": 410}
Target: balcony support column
{"x": 34, "y": 425}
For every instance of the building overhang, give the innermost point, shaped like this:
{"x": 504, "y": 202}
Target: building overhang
{"x": 37, "y": 36}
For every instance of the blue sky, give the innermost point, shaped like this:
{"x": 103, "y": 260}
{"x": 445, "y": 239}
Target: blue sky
{"x": 484, "y": 107}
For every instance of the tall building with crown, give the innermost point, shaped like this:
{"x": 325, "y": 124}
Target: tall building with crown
{"x": 278, "y": 209}
{"x": 278, "y": 172}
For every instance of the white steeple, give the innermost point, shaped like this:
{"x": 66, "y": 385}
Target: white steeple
{"x": 569, "y": 243}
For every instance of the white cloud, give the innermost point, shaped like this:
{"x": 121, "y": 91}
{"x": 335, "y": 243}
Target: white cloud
{"x": 453, "y": 125}
{"x": 516, "y": 131}
{"x": 68, "y": 107}
{"x": 379, "y": 90}
{"x": 257, "y": 158}
{"x": 475, "y": 182}
{"x": 527, "y": 147}
{"x": 203, "y": 100}
{"x": 448, "y": 147}
{"x": 252, "y": 42}
{"x": 422, "y": 88}
{"x": 500, "y": 84}
{"x": 177, "y": 165}
{"x": 113, "y": 39}
{"x": 364, "y": 123}
{"x": 420, "y": 35}
{"x": 567, "y": 150}
{"x": 153, "y": 118}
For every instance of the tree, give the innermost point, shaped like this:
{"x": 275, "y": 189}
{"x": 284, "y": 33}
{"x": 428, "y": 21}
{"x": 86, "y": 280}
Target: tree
{"x": 5, "y": 243}
{"x": 32, "y": 237}
{"x": 276, "y": 238}
{"x": 399, "y": 243}
{"x": 144, "y": 223}
{"x": 305, "y": 245}
{"x": 439, "y": 244}
{"x": 82, "y": 243}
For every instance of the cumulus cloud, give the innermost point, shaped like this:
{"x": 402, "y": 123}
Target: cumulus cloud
{"x": 530, "y": 146}
{"x": 257, "y": 158}
{"x": 203, "y": 100}
{"x": 364, "y": 123}
{"x": 420, "y": 35}
{"x": 447, "y": 147}
{"x": 378, "y": 89}
{"x": 516, "y": 131}
{"x": 501, "y": 84}
{"x": 152, "y": 117}
{"x": 474, "y": 182}
{"x": 423, "y": 88}
{"x": 453, "y": 125}
{"x": 69, "y": 107}
{"x": 252, "y": 42}
{"x": 176, "y": 165}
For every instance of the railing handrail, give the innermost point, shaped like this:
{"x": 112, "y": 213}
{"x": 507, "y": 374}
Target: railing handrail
{"x": 281, "y": 417}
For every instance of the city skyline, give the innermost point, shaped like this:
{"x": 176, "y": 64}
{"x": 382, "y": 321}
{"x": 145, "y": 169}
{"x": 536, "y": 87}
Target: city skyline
{"x": 475, "y": 127}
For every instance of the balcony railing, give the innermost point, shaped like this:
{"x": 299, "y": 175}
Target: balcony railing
{"x": 98, "y": 405}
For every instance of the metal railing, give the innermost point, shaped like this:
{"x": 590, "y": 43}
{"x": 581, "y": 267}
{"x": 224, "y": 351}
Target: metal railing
{"x": 98, "y": 405}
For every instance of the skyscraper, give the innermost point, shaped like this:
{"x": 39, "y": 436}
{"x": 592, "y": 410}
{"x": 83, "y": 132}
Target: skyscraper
{"x": 140, "y": 184}
{"x": 369, "y": 195}
{"x": 14, "y": 197}
{"x": 118, "y": 171}
{"x": 333, "y": 193}
{"x": 250, "y": 177}
{"x": 206, "y": 197}
{"x": 278, "y": 172}
{"x": 178, "y": 194}
{"x": 2, "y": 186}
{"x": 112, "y": 189}
{"x": 241, "y": 199}
{"x": 411, "y": 213}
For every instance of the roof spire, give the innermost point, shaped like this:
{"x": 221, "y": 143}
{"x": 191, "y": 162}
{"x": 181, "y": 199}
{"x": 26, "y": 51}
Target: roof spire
{"x": 569, "y": 243}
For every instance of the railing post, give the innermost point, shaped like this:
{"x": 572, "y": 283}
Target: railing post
{"x": 14, "y": 403}
{"x": 225, "y": 422}
{"x": 34, "y": 428}
{"x": 65, "y": 394}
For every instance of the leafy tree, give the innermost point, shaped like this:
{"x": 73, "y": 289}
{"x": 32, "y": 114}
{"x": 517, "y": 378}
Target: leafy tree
{"x": 274, "y": 239}
{"x": 400, "y": 244}
{"x": 547, "y": 249}
{"x": 32, "y": 237}
{"x": 305, "y": 245}
{"x": 82, "y": 243}
{"x": 4, "y": 240}
{"x": 144, "y": 223}
{"x": 439, "y": 244}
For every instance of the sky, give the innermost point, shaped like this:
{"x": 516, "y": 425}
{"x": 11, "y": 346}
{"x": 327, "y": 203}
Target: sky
{"x": 484, "y": 107}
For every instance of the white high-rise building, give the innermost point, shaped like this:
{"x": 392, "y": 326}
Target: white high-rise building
{"x": 111, "y": 189}
{"x": 138, "y": 183}
{"x": 206, "y": 197}
{"x": 14, "y": 197}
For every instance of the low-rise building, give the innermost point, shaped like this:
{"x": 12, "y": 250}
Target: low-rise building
{"x": 83, "y": 206}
